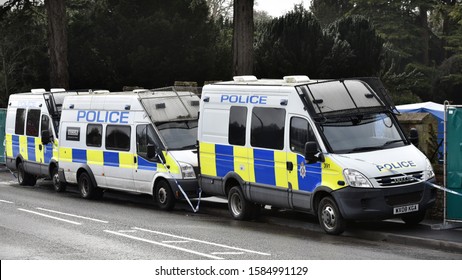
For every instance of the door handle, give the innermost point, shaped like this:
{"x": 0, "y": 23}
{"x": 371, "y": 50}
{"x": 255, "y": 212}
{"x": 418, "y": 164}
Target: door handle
{"x": 290, "y": 166}
{"x": 40, "y": 147}
{"x": 134, "y": 159}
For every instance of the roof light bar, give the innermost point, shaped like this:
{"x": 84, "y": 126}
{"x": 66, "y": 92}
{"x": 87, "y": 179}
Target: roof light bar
{"x": 296, "y": 79}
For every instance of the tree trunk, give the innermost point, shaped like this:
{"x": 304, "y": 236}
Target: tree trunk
{"x": 57, "y": 43}
{"x": 425, "y": 35}
{"x": 243, "y": 37}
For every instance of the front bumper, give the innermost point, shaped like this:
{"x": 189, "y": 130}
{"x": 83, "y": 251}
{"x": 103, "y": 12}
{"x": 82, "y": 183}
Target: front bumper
{"x": 378, "y": 203}
{"x": 189, "y": 186}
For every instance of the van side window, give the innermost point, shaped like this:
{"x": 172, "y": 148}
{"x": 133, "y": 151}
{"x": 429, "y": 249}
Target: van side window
{"x": 118, "y": 137}
{"x": 33, "y": 122}
{"x": 300, "y": 133}
{"x": 145, "y": 136}
{"x": 237, "y": 121}
{"x": 19, "y": 122}
{"x": 94, "y": 135}
{"x": 268, "y": 128}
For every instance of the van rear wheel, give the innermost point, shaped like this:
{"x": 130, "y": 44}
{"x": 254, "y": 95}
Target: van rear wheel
{"x": 87, "y": 189}
{"x": 239, "y": 207}
{"x": 329, "y": 216}
{"x": 24, "y": 178}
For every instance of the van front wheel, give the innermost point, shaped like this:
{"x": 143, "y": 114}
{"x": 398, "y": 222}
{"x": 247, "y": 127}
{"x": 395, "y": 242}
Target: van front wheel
{"x": 164, "y": 196}
{"x": 239, "y": 207}
{"x": 57, "y": 184}
{"x": 329, "y": 216}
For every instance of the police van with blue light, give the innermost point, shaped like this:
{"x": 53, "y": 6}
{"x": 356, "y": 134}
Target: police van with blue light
{"x": 332, "y": 148}
{"x": 141, "y": 142}
{"x": 31, "y": 142}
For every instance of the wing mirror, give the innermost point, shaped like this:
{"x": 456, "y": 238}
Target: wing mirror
{"x": 414, "y": 136}
{"x": 46, "y": 137}
{"x": 312, "y": 153}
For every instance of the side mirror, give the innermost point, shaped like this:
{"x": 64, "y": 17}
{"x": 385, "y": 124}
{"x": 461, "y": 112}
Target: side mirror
{"x": 312, "y": 153}
{"x": 154, "y": 152}
{"x": 46, "y": 137}
{"x": 414, "y": 136}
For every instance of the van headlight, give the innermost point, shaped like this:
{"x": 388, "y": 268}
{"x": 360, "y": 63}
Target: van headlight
{"x": 187, "y": 171}
{"x": 428, "y": 173}
{"x": 356, "y": 179}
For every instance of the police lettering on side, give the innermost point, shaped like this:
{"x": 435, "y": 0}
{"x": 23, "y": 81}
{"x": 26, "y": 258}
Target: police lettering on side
{"x": 92, "y": 116}
{"x": 244, "y": 99}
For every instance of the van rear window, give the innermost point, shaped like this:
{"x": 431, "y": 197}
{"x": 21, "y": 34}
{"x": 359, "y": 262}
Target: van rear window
{"x": 237, "y": 120}
{"x": 33, "y": 121}
{"x": 19, "y": 122}
{"x": 268, "y": 128}
{"x": 118, "y": 137}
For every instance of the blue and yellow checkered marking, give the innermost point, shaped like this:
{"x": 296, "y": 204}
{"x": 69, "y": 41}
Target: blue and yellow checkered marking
{"x": 115, "y": 159}
{"x": 28, "y": 147}
{"x": 268, "y": 167}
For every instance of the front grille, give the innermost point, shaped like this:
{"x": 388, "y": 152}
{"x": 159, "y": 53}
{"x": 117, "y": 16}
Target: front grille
{"x": 399, "y": 179}
{"x": 402, "y": 199}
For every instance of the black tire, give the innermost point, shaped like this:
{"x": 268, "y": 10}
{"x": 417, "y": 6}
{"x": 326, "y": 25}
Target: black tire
{"x": 87, "y": 189}
{"x": 238, "y": 206}
{"x": 24, "y": 178}
{"x": 164, "y": 196}
{"x": 329, "y": 216}
{"x": 57, "y": 184}
{"x": 414, "y": 218}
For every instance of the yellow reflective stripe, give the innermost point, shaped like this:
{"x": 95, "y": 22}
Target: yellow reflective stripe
{"x": 95, "y": 157}
{"x": 293, "y": 175}
{"x": 280, "y": 168}
{"x": 55, "y": 149}
{"x": 23, "y": 147}
{"x": 9, "y": 145}
{"x": 65, "y": 154}
{"x": 39, "y": 153}
{"x": 241, "y": 165}
{"x": 173, "y": 165}
{"x": 331, "y": 174}
{"x": 207, "y": 159}
{"x": 251, "y": 165}
{"x": 126, "y": 160}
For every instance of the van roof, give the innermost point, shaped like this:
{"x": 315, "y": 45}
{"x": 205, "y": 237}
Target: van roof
{"x": 285, "y": 81}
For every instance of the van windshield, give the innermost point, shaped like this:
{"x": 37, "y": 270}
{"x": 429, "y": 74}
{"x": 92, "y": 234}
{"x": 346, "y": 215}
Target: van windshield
{"x": 179, "y": 135}
{"x": 362, "y": 133}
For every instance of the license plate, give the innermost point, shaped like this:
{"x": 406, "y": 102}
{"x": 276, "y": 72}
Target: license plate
{"x": 405, "y": 209}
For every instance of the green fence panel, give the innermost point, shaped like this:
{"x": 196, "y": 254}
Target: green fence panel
{"x": 2, "y": 135}
{"x": 454, "y": 163}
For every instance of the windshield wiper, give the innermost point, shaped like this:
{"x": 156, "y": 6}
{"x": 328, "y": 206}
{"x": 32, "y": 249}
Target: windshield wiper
{"x": 363, "y": 149}
{"x": 194, "y": 146}
{"x": 391, "y": 142}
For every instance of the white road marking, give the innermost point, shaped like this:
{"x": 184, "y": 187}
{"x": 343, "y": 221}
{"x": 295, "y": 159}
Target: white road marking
{"x": 227, "y": 253}
{"x": 130, "y": 230}
{"x": 72, "y": 215}
{"x": 6, "y": 201}
{"x": 48, "y": 216}
{"x": 165, "y": 245}
{"x": 204, "y": 242}
{"x": 175, "y": 241}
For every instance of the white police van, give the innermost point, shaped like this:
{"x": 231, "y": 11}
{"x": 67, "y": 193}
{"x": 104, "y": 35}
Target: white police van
{"x": 331, "y": 148}
{"x": 141, "y": 142}
{"x": 31, "y": 142}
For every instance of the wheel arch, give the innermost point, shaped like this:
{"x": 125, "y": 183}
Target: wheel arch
{"x": 87, "y": 169}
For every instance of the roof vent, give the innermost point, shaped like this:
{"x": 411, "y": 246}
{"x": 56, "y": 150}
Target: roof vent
{"x": 296, "y": 79}
{"x": 248, "y": 78}
{"x": 38, "y": 90}
{"x": 57, "y": 90}
{"x": 102, "y": 91}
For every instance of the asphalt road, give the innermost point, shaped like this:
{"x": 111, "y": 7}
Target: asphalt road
{"x": 37, "y": 223}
